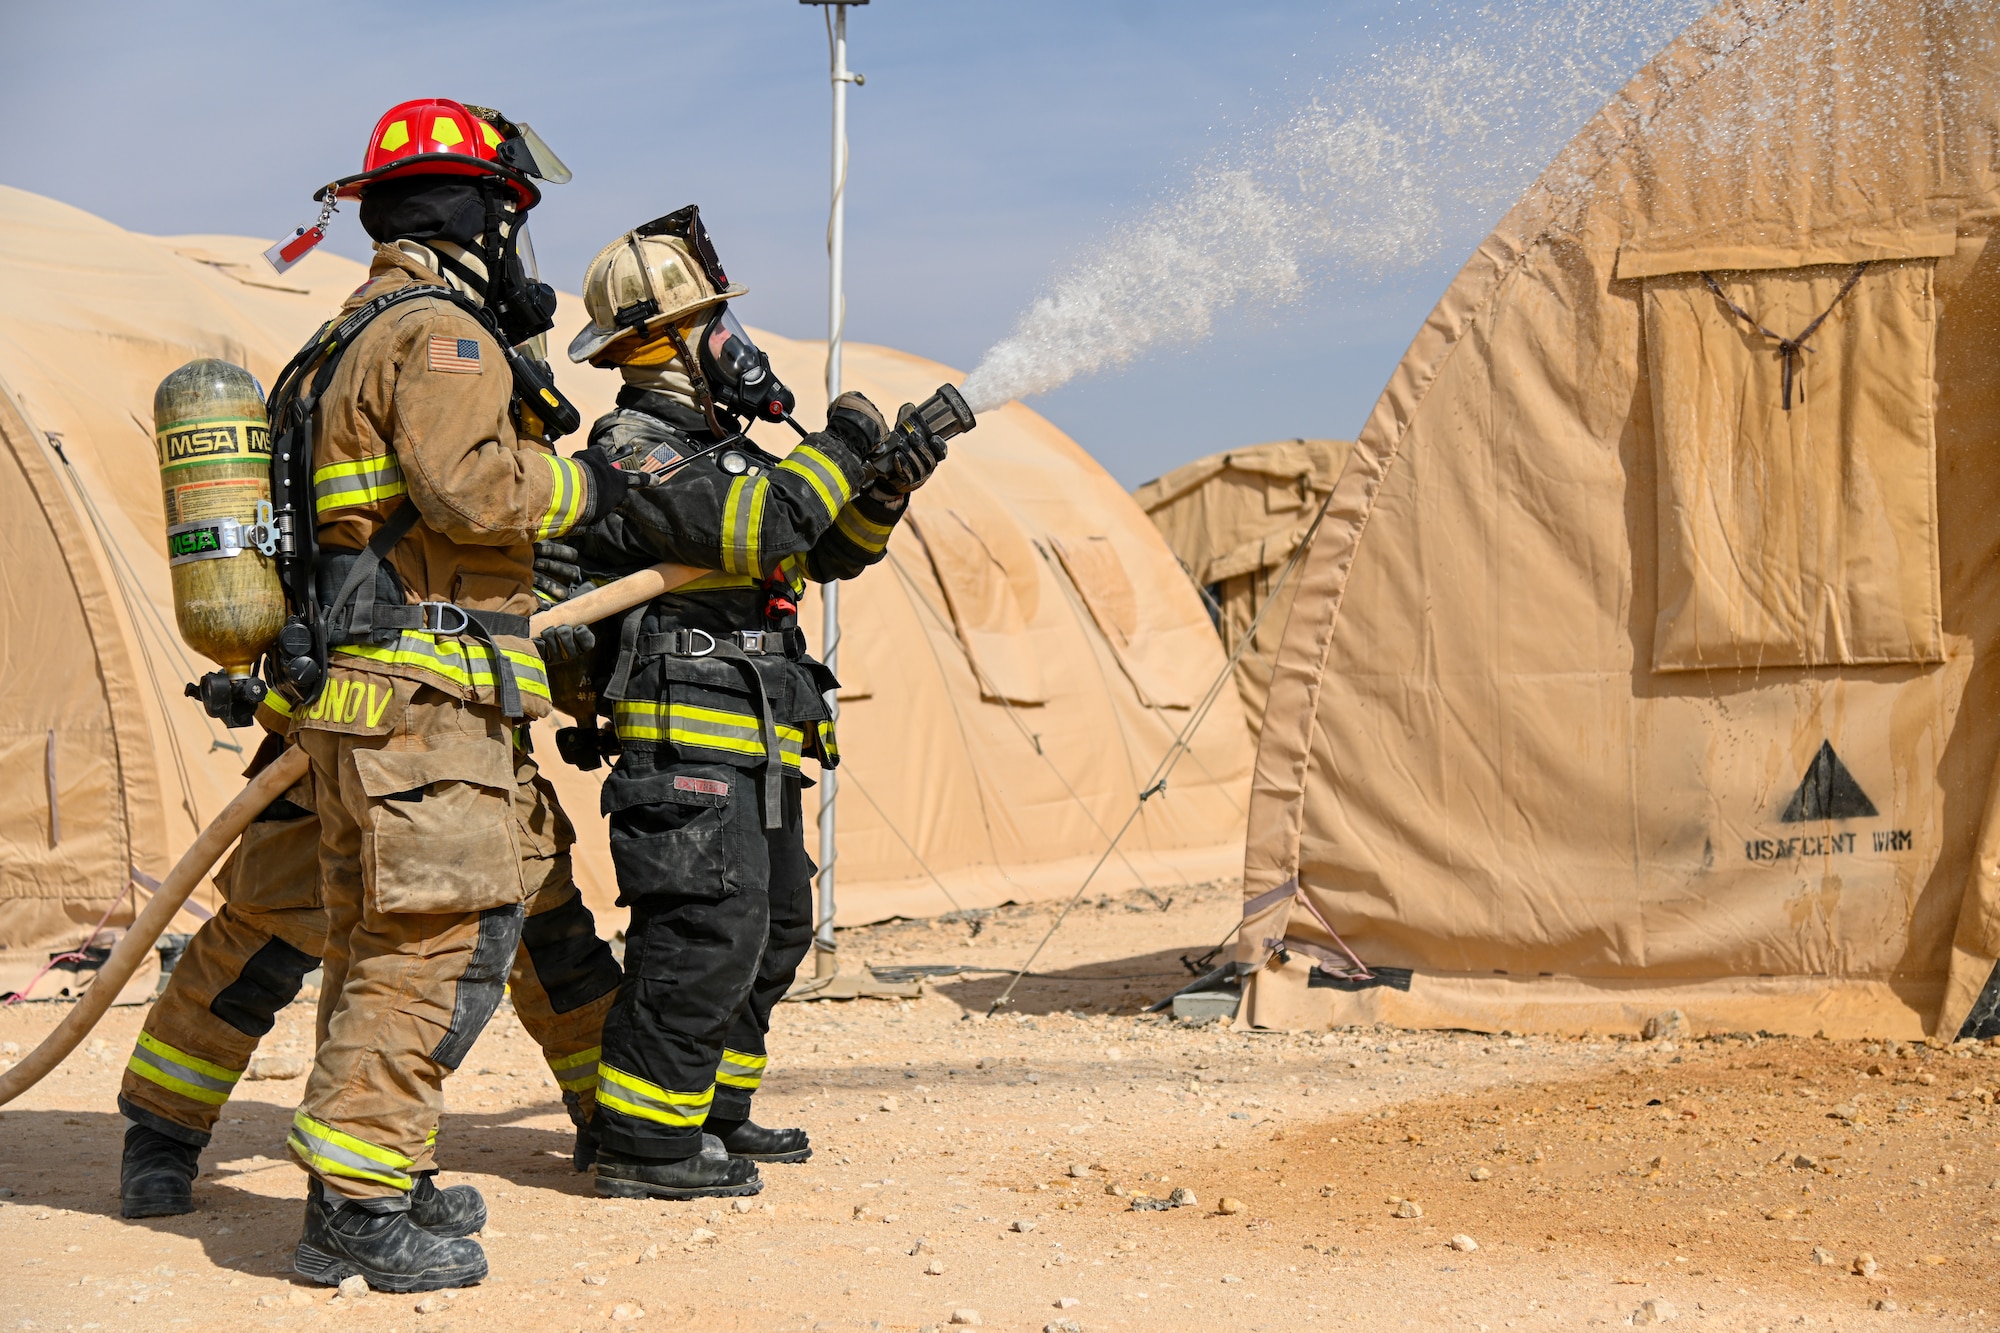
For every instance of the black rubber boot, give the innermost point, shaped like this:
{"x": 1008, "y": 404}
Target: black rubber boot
{"x": 748, "y": 1139}
{"x": 584, "y": 1155}
{"x": 710, "y": 1174}
{"x": 455, "y": 1210}
{"x": 156, "y": 1179}
{"x": 388, "y": 1250}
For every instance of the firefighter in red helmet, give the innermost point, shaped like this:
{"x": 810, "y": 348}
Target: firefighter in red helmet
{"x": 418, "y": 431}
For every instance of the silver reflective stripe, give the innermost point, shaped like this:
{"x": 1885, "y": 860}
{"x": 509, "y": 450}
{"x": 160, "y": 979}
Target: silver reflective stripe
{"x": 741, "y": 1070}
{"x": 567, "y": 492}
{"x": 743, "y": 525}
{"x": 862, "y": 530}
{"x": 362, "y": 481}
{"x": 577, "y": 1072}
{"x": 197, "y": 1079}
{"x": 460, "y": 662}
{"x": 334, "y": 1153}
{"x": 828, "y": 482}
{"x": 735, "y": 734}
{"x": 635, "y": 1097}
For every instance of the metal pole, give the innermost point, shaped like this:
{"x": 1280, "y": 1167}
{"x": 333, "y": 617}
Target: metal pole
{"x": 825, "y": 962}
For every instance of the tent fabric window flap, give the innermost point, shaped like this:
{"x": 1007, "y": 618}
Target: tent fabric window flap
{"x": 1794, "y": 411}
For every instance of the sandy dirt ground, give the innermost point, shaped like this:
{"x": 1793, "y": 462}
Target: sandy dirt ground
{"x": 986, "y": 1170}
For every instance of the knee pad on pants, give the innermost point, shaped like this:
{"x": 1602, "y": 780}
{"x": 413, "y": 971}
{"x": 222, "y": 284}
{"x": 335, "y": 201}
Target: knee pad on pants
{"x": 573, "y": 965}
{"x": 269, "y": 981}
{"x": 482, "y": 983}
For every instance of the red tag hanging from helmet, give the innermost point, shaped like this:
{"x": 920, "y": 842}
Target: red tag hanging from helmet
{"x": 287, "y": 253}
{"x": 302, "y": 240}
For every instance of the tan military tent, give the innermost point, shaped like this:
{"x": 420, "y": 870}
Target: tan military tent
{"x": 1233, "y": 520}
{"x": 1643, "y": 658}
{"x": 1026, "y": 568}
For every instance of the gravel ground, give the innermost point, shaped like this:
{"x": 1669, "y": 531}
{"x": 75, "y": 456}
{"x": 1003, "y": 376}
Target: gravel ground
{"x": 987, "y": 1169}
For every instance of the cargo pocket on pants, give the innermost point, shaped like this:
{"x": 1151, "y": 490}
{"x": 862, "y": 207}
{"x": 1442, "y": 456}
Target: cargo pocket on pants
{"x": 680, "y": 833}
{"x": 440, "y": 834}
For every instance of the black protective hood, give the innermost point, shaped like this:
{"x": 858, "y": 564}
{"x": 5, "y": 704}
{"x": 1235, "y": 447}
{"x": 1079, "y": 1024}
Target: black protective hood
{"x": 424, "y": 208}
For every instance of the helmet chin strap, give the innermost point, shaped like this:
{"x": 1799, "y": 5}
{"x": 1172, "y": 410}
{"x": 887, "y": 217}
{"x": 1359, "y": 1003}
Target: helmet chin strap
{"x": 701, "y": 391}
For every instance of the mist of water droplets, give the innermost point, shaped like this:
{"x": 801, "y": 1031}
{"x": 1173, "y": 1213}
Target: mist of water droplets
{"x": 1376, "y": 175}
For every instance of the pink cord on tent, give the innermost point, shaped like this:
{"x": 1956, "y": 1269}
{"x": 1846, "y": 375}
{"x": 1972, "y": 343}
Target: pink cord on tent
{"x": 78, "y": 955}
{"x": 1324, "y": 925}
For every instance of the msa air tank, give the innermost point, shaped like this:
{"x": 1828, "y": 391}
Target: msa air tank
{"x": 215, "y": 469}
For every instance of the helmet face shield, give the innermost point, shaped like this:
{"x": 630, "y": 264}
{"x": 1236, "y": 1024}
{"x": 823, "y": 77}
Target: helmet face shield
{"x": 515, "y": 143}
{"x": 738, "y": 373}
{"x": 684, "y": 224}
{"x": 543, "y": 159}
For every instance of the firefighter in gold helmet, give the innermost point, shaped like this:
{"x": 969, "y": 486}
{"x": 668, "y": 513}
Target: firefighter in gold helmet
{"x": 713, "y": 699}
{"x": 413, "y": 429}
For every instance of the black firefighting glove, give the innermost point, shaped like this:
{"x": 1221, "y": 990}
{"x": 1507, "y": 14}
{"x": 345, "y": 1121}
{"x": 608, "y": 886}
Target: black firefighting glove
{"x": 565, "y": 643}
{"x": 558, "y": 571}
{"x": 608, "y": 484}
{"x": 858, "y": 424}
{"x": 912, "y": 455}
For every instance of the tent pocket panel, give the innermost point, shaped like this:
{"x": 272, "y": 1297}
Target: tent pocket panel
{"x": 1797, "y": 493}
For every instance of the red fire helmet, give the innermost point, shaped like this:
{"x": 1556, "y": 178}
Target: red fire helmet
{"x": 439, "y": 137}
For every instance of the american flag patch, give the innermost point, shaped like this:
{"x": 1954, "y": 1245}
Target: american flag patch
{"x": 458, "y": 356}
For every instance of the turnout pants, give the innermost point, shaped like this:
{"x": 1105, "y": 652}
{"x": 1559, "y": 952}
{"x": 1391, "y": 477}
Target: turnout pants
{"x": 721, "y": 918}
{"x": 249, "y": 961}
{"x": 433, "y": 840}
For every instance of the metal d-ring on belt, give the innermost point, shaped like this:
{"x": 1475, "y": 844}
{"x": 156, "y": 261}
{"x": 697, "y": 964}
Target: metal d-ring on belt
{"x": 354, "y": 617}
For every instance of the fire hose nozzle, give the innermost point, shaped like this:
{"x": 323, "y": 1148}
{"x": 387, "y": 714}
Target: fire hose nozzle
{"x": 943, "y": 414}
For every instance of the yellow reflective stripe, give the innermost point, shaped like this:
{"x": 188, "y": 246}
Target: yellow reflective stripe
{"x": 793, "y": 570}
{"x": 863, "y": 531}
{"x": 177, "y": 1071}
{"x": 575, "y": 1073}
{"x": 741, "y": 1070}
{"x": 649, "y": 1101}
{"x": 716, "y": 579}
{"x": 704, "y": 728}
{"x": 339, "y": 485}
{"x": 825, "y": 477}
{"x": 828, "y": 744}
{"x": 743, "y": 525}
{"x": 565, "y": 499}
{"x": 466, "y": 664}
{"x": 278, "y": 703}
{"x": 335, "y": 1153}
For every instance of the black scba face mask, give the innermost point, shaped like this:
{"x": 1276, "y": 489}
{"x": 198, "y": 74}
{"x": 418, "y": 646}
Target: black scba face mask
{"x": 738, "y": 373}
{"x": 521, "y": 302}
{"x": 474, "y": 215}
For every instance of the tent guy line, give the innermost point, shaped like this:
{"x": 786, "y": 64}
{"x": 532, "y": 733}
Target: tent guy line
{"x": 1158, "y": 782}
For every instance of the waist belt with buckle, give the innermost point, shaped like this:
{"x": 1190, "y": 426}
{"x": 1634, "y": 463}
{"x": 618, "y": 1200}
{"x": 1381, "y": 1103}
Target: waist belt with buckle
{"x": 355, "y": 616}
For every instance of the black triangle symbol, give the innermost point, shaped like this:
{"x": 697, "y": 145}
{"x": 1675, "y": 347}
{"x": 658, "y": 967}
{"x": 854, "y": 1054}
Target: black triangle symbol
{"x": 1828, "y": 792}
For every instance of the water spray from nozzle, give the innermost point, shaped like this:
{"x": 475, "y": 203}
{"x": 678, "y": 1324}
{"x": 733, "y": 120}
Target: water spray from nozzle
{"x": 1377, "y": 175}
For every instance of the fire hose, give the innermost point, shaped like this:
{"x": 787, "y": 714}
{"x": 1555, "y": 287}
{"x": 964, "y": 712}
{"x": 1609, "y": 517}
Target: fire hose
{"x": 223, "y": 831}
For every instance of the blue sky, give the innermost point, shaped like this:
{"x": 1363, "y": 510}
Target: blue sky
{"x": 993, "y": 144}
